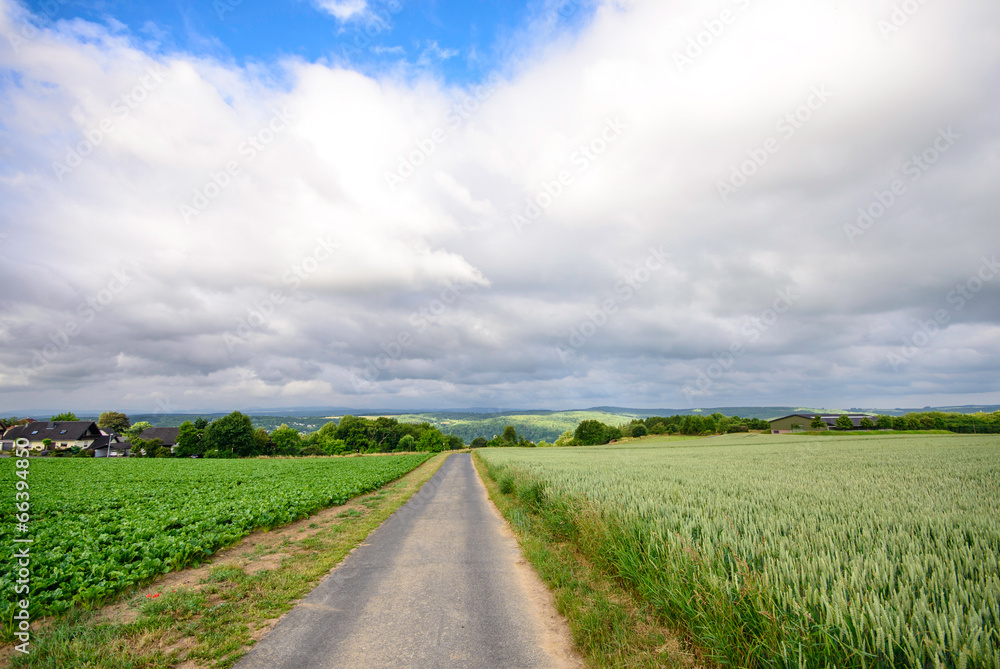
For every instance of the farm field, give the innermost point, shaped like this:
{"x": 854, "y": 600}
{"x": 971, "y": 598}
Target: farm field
{"x": 868, "y": 551}
{"x": 100, "y": 527}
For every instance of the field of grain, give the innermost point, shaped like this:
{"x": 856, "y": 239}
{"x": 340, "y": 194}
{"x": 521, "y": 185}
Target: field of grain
{"x": 793, "y": 551}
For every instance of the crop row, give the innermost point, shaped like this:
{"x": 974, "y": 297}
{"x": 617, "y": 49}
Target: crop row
{"x": 101, "y": 527}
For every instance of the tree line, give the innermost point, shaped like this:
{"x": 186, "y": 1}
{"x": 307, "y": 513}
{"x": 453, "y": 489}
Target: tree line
{"x": 233, "y": 436}
{"x": 962, "y": 423}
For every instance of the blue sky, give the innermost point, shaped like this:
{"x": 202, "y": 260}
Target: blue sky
{"x": 459, "y": 42}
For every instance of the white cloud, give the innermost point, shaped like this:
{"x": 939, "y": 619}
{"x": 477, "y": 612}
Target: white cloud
{"x": 306, "y": 257}
{"x": 344, "y": 10}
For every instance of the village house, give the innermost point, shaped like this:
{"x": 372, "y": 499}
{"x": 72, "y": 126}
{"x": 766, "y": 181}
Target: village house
{"x": 61, "y": 434}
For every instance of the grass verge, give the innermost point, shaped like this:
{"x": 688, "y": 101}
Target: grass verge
{"x": 210, "y": 616}
{"x": 611, "y": 625}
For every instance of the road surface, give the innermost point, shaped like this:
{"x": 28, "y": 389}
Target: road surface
{"x": 441, "y": 583}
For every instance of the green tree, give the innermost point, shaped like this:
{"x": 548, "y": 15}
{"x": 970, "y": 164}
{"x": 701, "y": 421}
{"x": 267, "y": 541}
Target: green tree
{"x": 287, "y": 440}
{"x": 884, "y": 423}
{"x": 509, "y": 435}
{"x": 453, "y": 443}
{"x": 844, "y": 423}
{"x": 817, "y": 423}
{"x": 354, "y": 432}
{"x": 135, "y": 431}
{"x": 478, "y": 442}
{"x": 231, "y": 434}
{"x": 114, "y": 421}
{"x": 656, "y": 425}
{"x": 432, "y": 441}
{"x": 66, "y": 415}
{"x": 333, "y": 446}
{"x": 189, "y": 440}
{"x": 566, "y": 439}
{"x": 150, "y": 448}
{"x": 407, "y": 443}
{"x": 591, "y": 433}
{"x": 261, "y": 442}
{"x": 867, "y": 423}
{"x": 201, "y": 424}
{"x": 639, "y": 430}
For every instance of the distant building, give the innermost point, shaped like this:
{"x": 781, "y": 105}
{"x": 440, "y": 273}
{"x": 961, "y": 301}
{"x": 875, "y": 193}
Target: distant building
{"x": 797, "y": 422}
{"x": 63, "y": 434}
{"x": 168, "y": 435}
{"x": 110, "y": 446}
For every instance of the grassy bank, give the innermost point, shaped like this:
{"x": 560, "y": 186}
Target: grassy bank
{"x": 611, "y": 625}
{"x": 210, "y": 616}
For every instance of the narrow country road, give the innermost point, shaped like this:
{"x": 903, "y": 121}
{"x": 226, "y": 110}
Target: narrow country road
{"x": 440, "y": 584}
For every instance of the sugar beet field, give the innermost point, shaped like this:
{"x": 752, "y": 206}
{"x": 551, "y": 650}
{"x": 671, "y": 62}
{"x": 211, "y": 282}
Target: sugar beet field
{"x": 791, "y": 551}
{"x": 100, "y": 527}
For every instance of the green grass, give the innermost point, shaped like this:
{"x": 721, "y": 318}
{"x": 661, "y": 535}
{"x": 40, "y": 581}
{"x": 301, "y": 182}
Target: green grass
{"x": 871, "y": 551}
{"x": 610, "y": 625}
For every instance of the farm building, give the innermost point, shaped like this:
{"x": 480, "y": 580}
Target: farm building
{"x": 63, "y": 434}
{"x": 802, "y": 421}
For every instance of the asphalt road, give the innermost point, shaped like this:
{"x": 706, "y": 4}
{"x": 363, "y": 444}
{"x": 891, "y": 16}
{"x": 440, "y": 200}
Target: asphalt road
{"x": 440, "y": 584}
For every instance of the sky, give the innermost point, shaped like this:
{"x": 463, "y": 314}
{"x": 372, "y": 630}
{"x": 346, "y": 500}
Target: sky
{"x": 545, "y": 204}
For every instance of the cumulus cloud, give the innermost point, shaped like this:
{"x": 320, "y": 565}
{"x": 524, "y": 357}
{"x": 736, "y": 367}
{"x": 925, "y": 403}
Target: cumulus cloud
{"x": 344, "y": 10}
{"x": 614, "y": 220}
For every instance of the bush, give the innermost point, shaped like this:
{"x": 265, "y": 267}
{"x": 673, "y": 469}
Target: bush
{"x": 506, "y": 484}
{"x": 639, "y": 430}
{"x": 532, "y": 493}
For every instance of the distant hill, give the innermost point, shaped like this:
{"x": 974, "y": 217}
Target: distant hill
{"x": 533, "y": 424}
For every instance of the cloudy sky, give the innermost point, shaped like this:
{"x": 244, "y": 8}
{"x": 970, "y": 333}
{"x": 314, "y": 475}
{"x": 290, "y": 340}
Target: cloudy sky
{"x": 541, "y": 204}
